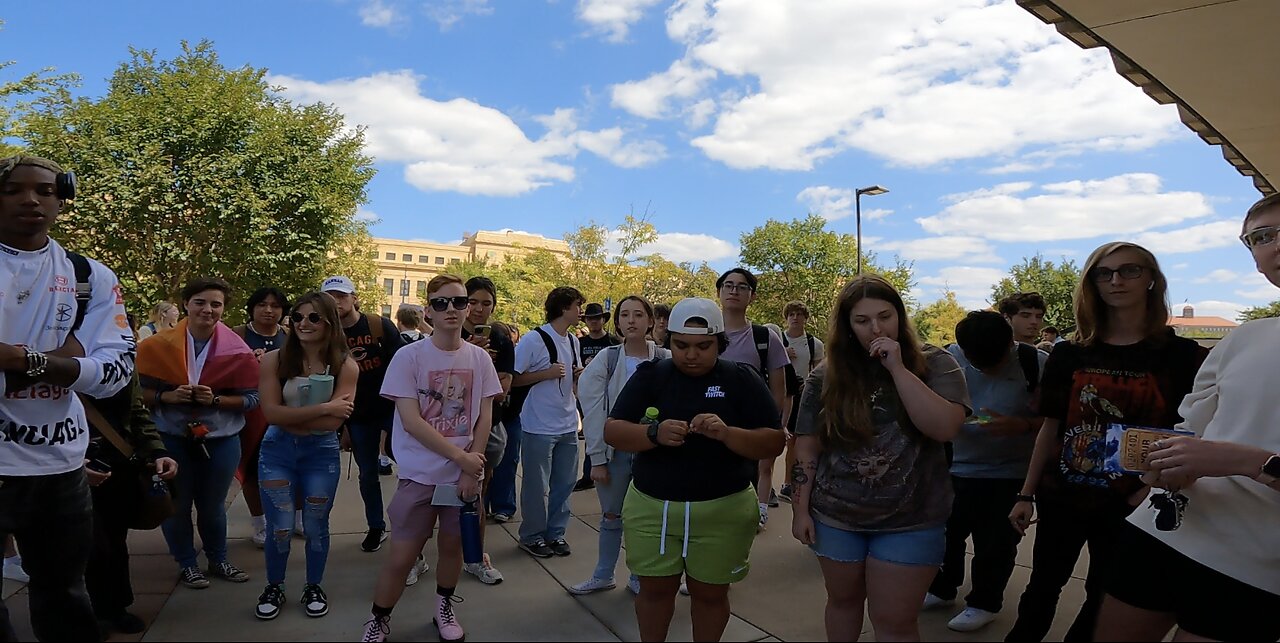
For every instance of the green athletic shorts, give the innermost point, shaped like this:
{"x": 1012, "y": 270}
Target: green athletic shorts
{"x": 715, "y": 550}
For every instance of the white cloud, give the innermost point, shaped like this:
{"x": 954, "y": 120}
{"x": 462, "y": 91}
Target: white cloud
{"x": 918, "y": 82}
{"x": 459, "y": 145}
{"x": 959, "y": 249}
{"x": 1218, "y": 234}
{"x": 1219, "y": 276}
{"x": 681, "y": 246}
{"x": 1118, "y": 206}
{"x": 376, "y": 13}
{"x": 367, "y": 216}
{"x": 613, "y": 18}
{"x": 1213, "y": 308}
{"x": 971, "y": 285}
{"x": 651, "y": 97}
{"x": 448, "y": 13}
{"x": 835, "y": 203}
{"x": 1255, "y": 287}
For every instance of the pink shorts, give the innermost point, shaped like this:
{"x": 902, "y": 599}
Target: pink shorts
{"x": 413, "y": 517}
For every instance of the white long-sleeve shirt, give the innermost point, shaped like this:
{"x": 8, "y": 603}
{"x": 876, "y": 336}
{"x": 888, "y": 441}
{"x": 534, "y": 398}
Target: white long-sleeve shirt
{"x": 1232, "y": 525}
{"x": 597, "y": 392}
{"x": 43, "y": 430}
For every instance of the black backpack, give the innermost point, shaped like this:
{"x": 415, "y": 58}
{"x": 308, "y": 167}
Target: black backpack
{"x": 760, "y": 335}
{"x": 794, "y": 381}
{"x": 1029, "y": 360}
{"x": 84, "y": 287}
{"x": 520, "y": 393}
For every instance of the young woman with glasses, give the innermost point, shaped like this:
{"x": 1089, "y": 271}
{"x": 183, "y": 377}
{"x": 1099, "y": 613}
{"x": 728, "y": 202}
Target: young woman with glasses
{"x": 1125, "y": 365}
{"x": 307, "y": 390}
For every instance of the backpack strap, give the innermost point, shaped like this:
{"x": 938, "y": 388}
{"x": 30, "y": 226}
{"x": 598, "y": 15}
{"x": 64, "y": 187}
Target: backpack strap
{"x": 84, "y": 287}
{"x": 551, "y": 345}
{"x": 375, "y": 327}
{"x": 1029, "y": 360}
{"x": 812, "y": 349}
{"x": 760, "y": 335}
{"x": 611, "y": 360}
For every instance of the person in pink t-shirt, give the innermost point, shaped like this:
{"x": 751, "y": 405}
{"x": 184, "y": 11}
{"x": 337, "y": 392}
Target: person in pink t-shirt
{"x": 443, "y": 390}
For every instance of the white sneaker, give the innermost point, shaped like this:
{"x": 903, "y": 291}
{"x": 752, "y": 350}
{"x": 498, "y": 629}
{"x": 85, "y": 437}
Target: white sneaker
{"x": 684, "y": 588}
{"x": 592, "y": 585}
{"x": 13, "y": 570}
{"x": 417, "y": 570}
{"x": 297, "y": 524}
{"x": 260, "y": 537}
{"x": 933, "y": 602}
{"x": 485, "y": 571}
{"x": 634, "y": 585}
{"x": 764, "y": 517}
{"x": 971, "y": 619}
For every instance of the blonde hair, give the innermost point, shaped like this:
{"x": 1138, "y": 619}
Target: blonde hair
{"x": 158, "y": 311}
{"x": 1092, "y": 318}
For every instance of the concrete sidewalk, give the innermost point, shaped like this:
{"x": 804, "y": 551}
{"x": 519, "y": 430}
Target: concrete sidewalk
{"x": 782, "y": 599}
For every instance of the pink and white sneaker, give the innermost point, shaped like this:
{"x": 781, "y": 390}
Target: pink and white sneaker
{"x": 377, "y": 629}
{"x": 445, "y": 621}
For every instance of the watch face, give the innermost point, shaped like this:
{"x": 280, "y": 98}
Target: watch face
{"x": 1272, "y": 467}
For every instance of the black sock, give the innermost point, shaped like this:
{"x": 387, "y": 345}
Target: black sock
{"x": 444, "y": 591}
{"x": 382, "y": 611}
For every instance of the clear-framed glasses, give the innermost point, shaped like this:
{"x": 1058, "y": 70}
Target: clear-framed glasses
{"x": 1127, "y": 271}
{"x": 736, "y": 288}
{"x": 1264, "y": 236}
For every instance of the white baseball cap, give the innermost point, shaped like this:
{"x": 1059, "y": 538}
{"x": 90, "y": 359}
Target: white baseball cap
{"x": 696, "y": 307}
{"x": 338, "y": 283}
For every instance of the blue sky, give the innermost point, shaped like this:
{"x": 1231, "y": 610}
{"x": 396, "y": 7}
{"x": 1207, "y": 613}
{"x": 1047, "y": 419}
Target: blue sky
{"x": 997, "y": 137}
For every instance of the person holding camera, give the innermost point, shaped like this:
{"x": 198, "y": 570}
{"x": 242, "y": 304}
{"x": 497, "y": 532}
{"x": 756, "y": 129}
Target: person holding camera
{"x": 200, "y": 379}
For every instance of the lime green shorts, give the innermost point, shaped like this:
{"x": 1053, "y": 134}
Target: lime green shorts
{"x": 710, "y": 541}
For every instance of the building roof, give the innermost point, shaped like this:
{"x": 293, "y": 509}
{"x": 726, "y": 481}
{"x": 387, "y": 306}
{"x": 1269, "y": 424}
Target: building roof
{"x": 1202, "y": 322}
{"x": 1211, "y": 58}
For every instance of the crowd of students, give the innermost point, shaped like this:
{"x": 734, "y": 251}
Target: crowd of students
{"x": 896, "y": 452}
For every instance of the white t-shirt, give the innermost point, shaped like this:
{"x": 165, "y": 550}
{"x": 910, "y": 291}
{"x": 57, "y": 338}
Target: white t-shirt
{"x": 450, "y": 387}
{"x": 1232, "y": 525}
{"x": 803, "y": 363}
{"x": 43, "y": 430}
{"x": 551, "y": 408}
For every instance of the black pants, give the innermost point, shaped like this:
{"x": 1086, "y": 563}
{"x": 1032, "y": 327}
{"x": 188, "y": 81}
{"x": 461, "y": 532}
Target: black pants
{"x": 52, "y": 520}
{"x": 1064, "y": 529}
{"x": 981, "y": 509}
{"x": 107, "y": 576}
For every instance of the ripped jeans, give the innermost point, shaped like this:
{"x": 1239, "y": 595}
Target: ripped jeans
{"x": 306, "y": 467}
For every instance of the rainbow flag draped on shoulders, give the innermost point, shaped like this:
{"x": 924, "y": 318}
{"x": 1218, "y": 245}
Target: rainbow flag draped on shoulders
{"x": 229, "y": 366}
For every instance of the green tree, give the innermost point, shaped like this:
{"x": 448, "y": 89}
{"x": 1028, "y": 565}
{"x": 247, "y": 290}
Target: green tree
{"x": 1055, "y": 282}
{"x": 802, "y": 260}
{"x": 188, "y": 169}
{"x": 353, "y": 253}
{"x": 936, "y": 323}
{"x": 17, "y": 95}
{"x": 1260, "y": 312}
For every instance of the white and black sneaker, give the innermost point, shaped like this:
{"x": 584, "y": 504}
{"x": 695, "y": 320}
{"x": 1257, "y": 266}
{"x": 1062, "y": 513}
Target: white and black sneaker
{"x": 315, "y": 600}
{"x": 373, "y": 540}
{"x": 270, "y": 602}
{"x": 192, "y": 577}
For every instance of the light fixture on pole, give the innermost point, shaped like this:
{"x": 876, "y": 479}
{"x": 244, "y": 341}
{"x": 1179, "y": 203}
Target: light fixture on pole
{"x": 874, "y": 190}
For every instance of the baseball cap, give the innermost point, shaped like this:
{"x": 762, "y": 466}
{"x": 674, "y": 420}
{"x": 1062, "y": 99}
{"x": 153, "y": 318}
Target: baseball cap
{"x": 338, "y": 283}
{"x": 698, "y": 307}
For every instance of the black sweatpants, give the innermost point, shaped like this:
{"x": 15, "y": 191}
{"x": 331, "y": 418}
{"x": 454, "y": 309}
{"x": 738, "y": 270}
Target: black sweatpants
{"x": 981, "y": 509}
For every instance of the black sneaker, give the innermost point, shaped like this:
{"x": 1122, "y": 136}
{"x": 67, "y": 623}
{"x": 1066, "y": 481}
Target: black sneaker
{"x": 192, "y": 577}
{"x": 227, "y": 571}
{"x": 584, "y": 484}
{"x": 123, "y": 622}
{"x": 537, "y": 549}
{"x": 373, "y": 540}
{"x": 784, "y": 493}
{"x": 315, "y": 600}
{"x": 559, "y": 547}
{"x": 384, "y": 469}
{"x": 773, "y": 498}
{"x": 270, "y": 602}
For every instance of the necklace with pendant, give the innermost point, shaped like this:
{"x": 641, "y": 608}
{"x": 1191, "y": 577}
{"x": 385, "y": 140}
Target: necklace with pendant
{"x": 25, "y": 294}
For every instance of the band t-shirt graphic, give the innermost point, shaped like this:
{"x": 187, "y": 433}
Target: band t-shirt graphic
{"x": 450, "y": 387}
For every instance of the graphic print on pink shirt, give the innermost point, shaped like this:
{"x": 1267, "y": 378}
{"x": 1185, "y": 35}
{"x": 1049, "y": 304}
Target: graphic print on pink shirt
{"x": 446, "y": 405}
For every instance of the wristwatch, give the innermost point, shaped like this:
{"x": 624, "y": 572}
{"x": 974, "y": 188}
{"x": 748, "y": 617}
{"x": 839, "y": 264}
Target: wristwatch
{"x": 1022, "y": 497}
{"x": 1270, "y": 470}
{"x": 217, "y": 401}
{"x": 653, "y": 435}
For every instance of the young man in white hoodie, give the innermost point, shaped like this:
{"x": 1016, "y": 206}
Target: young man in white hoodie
{"x": 52, "y": 346}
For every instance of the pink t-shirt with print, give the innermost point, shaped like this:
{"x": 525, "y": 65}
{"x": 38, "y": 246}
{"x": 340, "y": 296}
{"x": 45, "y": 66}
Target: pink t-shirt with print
{"x": 449, "y": 387}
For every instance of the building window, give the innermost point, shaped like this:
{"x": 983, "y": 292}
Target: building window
{"x": 455, "y": 260}
{"x": 439, "y": 261}
{"x": 490, "y": 254}
{"x": 424, "y": 259}
{"x": 374, "y": 254}
{"x": 391, "y": 256}
{"x": 422, "y": 289}
{"x": 386, "y": 310}
{"x": 404, "y": 287}
{"x": 389, "y": 285}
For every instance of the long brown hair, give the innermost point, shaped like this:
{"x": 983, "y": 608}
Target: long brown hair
{"x": 334, "y": 352}
{"x": 853, "y": 376}
{"x": 1092, "y": 319}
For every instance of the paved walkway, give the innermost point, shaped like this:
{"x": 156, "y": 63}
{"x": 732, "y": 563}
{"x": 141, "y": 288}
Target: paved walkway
{"x": 782, "y": 599}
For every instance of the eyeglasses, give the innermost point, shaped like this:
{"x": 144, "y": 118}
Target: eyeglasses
{"x": 1260, "y": 237}
{"x": 440, "y": 304}
{"x": 1127, "y": 271}
{"x": 736, "y": 287}
{"x": 312, "y": 317}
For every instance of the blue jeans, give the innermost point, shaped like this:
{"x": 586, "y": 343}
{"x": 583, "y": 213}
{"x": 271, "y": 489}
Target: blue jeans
{"x": 550, "y": 471}
{"x": 309, "y": 466}
{"x": 611, "y": 497}
{"x": 201, "y": 482}
{"x": 917, "y": 548}
{"x": 502, "y": 488}
{"x": 365, "y": 440}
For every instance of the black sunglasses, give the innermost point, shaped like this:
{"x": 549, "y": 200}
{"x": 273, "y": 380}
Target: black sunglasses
{"x": 440, "y": 304}
{"x": 313, "y": 317}
{"x": 1128, "y": 271}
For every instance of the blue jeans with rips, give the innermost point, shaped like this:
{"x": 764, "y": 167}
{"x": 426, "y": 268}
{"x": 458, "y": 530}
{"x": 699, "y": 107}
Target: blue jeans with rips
{"x": 298, "y": 466}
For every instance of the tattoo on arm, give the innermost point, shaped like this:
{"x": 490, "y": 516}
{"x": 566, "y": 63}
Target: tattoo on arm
{"x": 799, "y": 472}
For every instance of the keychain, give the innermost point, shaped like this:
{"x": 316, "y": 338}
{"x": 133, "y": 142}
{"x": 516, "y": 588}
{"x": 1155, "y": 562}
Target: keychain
{"x": 197, "y": 431}
{"x": 1169, "y": 507}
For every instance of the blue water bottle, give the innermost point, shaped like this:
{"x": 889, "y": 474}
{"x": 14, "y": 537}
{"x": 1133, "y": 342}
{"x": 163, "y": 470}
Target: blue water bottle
{"x": 472, "y": 550}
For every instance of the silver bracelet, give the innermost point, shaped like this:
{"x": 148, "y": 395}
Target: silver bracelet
{"x": 37, "y": 363}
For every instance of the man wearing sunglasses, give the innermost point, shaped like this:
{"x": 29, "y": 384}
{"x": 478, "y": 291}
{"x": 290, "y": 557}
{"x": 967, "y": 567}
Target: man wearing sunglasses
{"x": 373, "y": 340}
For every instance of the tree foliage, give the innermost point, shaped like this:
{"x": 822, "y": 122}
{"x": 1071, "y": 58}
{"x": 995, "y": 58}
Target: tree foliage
{"x": 1260, "y": 312}
{"x": 17, "y": 94}
{"x": 936, "y": 323}
{"x": 190, "y": 169}
{"x": 802, "y": 260}
{"x": 1055, "y": 282}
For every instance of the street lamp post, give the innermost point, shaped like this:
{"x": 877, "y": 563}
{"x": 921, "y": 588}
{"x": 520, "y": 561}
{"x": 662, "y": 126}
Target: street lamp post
{"x": 874, "y": 190}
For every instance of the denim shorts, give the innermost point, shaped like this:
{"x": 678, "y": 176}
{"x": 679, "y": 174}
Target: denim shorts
{"x": 922, "y": 547}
